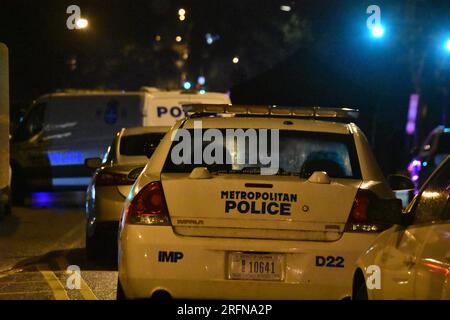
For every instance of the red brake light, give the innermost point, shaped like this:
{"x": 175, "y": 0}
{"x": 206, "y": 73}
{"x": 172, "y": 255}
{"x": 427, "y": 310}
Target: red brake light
{"x": 360, "y": 206}
{"x": 359, "y": 220}
{"x": 148, "y": 206}
{"x": 112, "y": 179}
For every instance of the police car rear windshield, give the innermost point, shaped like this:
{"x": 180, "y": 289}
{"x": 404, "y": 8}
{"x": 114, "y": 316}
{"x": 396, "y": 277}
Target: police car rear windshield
{"x": 140, "y": 145}
{"x": 299, "y": 153}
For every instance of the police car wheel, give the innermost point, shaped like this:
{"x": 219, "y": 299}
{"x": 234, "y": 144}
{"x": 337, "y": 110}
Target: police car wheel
{"x": 93, "y": 250}
{"x": 120, "y": 295}
{"x": 19, "y": 189}
{"x": 360, "y": 288}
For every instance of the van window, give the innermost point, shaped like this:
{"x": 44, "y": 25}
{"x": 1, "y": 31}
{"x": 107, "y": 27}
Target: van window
{"x": 32, "y": 124}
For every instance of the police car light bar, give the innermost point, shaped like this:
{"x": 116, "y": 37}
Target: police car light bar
{"x": 199, "y": 110}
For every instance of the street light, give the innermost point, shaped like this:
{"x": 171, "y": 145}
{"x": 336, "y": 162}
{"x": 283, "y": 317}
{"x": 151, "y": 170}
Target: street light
{"x": 187, "y": 85}
{"x": 377, "y": 31}
{"x": 447, "y": 44}
{"x": 235, "y": 60}
{"x": 181, "y": 12}
{"x": 82, "y": 23}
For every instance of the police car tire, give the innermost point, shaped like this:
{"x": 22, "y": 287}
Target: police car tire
{"x": 93, "y": 251}
{"x": 19, "y": 188}
{"x": 120, "y": 295}
{"x": 360, "y": 291}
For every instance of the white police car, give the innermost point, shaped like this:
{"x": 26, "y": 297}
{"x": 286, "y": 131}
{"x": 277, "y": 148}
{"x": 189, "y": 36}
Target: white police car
{"x": 412, "y": 259}
{"x": 258, "y": 202}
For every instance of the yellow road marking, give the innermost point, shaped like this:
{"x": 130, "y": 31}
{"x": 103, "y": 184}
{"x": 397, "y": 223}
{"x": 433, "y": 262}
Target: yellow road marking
{"x": 85, "y": 290}
{"x": 24, "y": 292}
{"x": 57, "y": 288}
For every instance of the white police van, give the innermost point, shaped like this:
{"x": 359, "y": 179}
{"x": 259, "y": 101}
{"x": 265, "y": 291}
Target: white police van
{"x": 63, "y": 129}
{"x": 286, "y": 220}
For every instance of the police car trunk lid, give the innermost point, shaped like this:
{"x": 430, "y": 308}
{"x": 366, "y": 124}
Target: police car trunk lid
{"x": 259, "y": 207}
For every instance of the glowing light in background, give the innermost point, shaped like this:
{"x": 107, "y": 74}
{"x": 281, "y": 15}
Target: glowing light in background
{"x": 414, "y": 168}
{"x": 201, "y": 80}
{"x": 447, "y": 44}
{"x": 65, "y": 158}
{"x": 211, "y": 38}
{"x": 82, "y": 23}
{"x": 181, "y": 14}
{"x": 430, "y": 194}
{"x": 178, "y": 39}
{"x": 187, "y": 85}
{"x": 412, "y": 114}
{"x": 235, "y": 60}
{"x": 378, "y": 31}
{"x": 65, "y": 182}
{"x": 285, "y": 8}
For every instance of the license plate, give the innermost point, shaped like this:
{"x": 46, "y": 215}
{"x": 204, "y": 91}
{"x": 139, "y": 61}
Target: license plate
{"x": 252, "y": 266}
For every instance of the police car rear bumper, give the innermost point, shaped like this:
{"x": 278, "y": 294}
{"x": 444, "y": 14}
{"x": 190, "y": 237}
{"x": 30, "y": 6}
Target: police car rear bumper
{"x": 108, "y": 204}
{"x": 201, "y": 270}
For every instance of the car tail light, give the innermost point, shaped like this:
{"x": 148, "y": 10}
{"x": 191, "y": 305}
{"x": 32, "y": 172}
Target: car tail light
{"x": 112, "y": 179}
{"x": 359, "y": 219}
{"x": 149, "y": 206}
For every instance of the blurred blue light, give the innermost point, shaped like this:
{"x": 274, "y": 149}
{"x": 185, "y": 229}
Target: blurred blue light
{"x": 65, "y": 182}
{"x": 447, "y": 45}
{"x": 378, "y": 31}
{"x": 41, "y": 198}
{"x": 424, "y": 164}
{"x": 201, "y": 80}
{"x": 209, "y": 38}
{"x": 187, "y": 85}
{"x": 65, "y": 158}
{"x": 202, "y": 91}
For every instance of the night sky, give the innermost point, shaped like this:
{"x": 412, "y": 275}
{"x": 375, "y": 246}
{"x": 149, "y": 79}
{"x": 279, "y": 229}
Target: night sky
{"x": 320, "y": 52}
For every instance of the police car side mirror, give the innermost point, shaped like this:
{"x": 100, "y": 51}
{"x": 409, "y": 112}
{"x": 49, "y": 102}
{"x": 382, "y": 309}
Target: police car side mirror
{"x": 400, "y": 182}
{"x": 93, "y": 163}
{"x": 402, "y": 187}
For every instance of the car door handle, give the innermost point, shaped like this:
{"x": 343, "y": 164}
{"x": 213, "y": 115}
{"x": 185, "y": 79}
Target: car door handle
{"x": 410, "y": 261}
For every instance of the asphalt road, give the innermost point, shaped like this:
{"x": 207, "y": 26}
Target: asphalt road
{"x": 38, "y": 243}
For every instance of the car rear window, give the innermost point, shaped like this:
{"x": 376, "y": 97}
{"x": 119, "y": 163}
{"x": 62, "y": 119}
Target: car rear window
{"x": 140, "y": 144}
{"x": 300, "y": 154}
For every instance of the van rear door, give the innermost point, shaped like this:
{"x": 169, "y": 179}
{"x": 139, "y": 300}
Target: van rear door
{"x": 82, "y": 126}
{"x": 164, "y": 108}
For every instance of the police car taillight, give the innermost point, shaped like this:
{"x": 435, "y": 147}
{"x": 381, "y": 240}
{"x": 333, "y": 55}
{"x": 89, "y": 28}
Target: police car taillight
{"x": 149, "y": 207}
{"x": 359, "y": 220}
